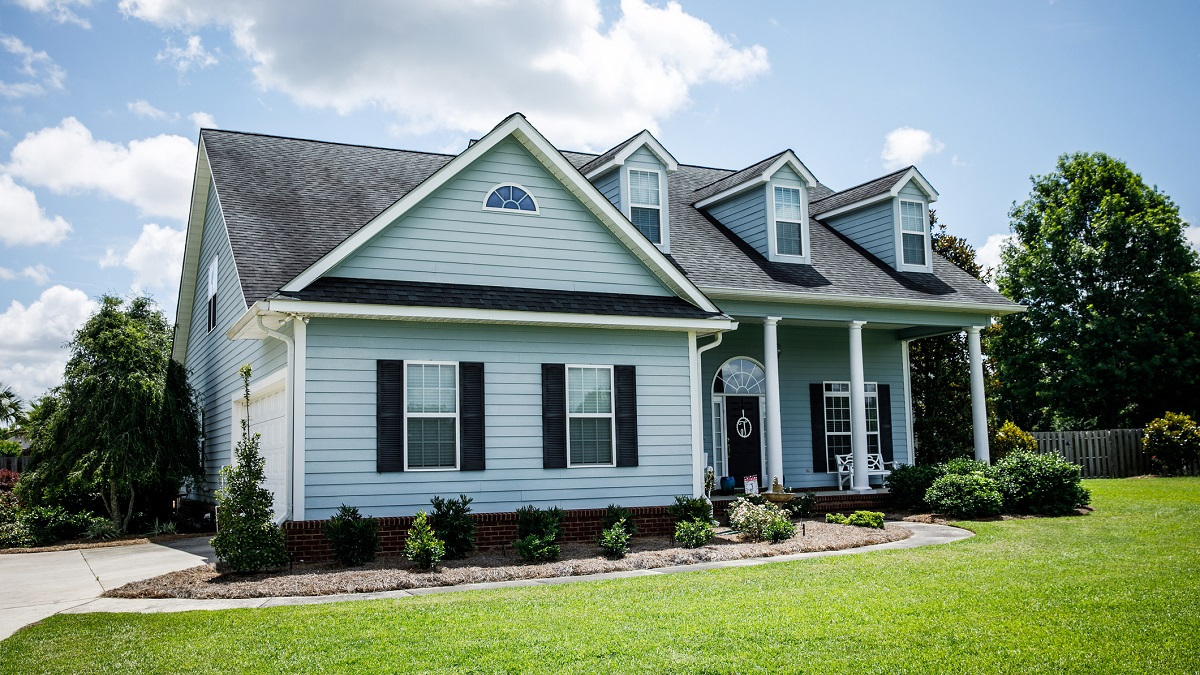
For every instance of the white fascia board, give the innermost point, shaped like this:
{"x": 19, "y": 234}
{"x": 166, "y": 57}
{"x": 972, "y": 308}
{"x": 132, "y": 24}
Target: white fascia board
{"x": 862, "y": 301}
{"x": 554, "y": 162}
{"x": 788, "y": 158}
{"x": 194, "y": 239}
{"x": 244, "y": 328}
{"x": 915, "y": 176}
{"x": 651, "y": 143}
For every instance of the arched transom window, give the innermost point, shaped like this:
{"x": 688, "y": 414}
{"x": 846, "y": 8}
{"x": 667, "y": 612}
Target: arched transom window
{"x": 509, "y": 197}
{"x": 741, "y": 376}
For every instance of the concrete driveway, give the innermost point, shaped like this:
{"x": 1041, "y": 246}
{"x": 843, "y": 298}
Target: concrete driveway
{"x": 38, "y": 585}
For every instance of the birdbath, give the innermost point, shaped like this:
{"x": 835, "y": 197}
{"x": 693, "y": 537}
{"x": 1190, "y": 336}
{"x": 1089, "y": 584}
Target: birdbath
{"x": 777, "y": 494}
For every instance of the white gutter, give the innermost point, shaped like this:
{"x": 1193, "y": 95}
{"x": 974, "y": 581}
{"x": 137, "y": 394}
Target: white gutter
{"x": 291, "y": 390}
{"x": 697, "y": 420}
{"x": 860, "y": 301}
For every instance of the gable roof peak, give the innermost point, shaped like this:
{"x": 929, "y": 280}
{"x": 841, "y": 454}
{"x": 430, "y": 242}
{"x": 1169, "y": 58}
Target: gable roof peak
{"x": 616, "y": 155}
{"x": 754, "y": 175}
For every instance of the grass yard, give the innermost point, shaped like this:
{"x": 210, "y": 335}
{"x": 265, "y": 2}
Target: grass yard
{"x": 1114, "y": 591}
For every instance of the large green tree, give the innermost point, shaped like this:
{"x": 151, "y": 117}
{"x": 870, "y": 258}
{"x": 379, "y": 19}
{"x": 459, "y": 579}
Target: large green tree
{"x": 124, "y": 423}
{"x": 939, "y": 368}
{"x": 11, "y": 406}
{"x": 1112, "y": 335}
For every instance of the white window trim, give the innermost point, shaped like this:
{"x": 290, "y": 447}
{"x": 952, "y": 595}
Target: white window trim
{"x": 611, "y": 414}
{"x": 899, "y": 231}
{"x": 214, "y": 281}
{"x": 537, "y": 209}
{"x": 454, "y": 415}
{"x": 662, "y": 196}
{"x": 831, "y": 394}
{"x": 772, "y": 232}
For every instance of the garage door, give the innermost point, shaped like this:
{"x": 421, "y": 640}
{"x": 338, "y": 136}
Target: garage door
{"x": 268, "y": 417}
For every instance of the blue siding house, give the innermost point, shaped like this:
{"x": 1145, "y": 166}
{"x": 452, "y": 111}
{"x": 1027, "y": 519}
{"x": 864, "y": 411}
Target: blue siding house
{"x": 527, "y": 325}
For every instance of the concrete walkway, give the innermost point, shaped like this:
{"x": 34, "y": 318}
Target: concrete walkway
{"x": 37, "y": 585}
{"x": 924, "y": 534}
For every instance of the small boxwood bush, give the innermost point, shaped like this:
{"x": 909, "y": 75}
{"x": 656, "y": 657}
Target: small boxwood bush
{"x": 688, "y": 508}
{"x": 969, "y": 495}
{"x": 962, "y": 466}
{"x": 1011, "y": 438}
{"x": 544, "y": 523}
{"x": 535, "y": 548}
{"x": 619, "y": 513}
{"x": 421, "y": 546}
{"x": 1172, "y": 443}
{"x": 614, "y": 540}
{"x": 452, "y": 523}
{"x": 909, "y": 483}
{"x": 873, "y": 519}
{"x": 779, "y": 529}
{"x": 353, "y": 538}
{"x": 1043, "y": 484}
{"x": 693, "y": 533}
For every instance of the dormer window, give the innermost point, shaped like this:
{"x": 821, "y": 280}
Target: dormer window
{"x": 913, "y": 234}
{"x": 789, "y": 216}
{"x": 510, "y": 197}
{"x": 645, "y": 203}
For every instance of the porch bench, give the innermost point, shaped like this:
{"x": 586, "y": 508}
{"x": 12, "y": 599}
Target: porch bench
{"x": 875, "y": 467}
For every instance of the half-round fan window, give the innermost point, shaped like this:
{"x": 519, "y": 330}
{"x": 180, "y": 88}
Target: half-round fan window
{"x": 740, "y": 376}
{"x": 510, "y": 198}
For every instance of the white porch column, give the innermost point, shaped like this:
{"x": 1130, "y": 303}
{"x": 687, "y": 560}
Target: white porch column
{"x": 978, "y": 399}
{"x": 858, "y": 410}
{"x": 774, "y": 428}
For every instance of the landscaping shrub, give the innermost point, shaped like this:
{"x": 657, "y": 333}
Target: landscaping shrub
{"x": 1045, "y": 484}
{"x": 967, "y": 495}
{"x": 8, "y": 507}
{"x": 421, "y": 546}
{"x": 688, "y": 508}
{"x": 14, "y": 535}
{"x": 779, "y": 529}
{"x": 535, "y": 548}
{"x": 908, "y": 484}
{"x": 452, "y": 522}
{"x": 164, "y": 528}
{"x": 693, "y": 533}
{"x": 353, "y": 538}
{"x": 9, "y": 448}
{"x": 8, "y": 480}
{"x": 961, "y": 466}
{"x": 545, "y": 524}
{"x": 872, "y": 519}
{"x": 1011, "y": 438}
{"x": 802, "y": 506}
{"x": 757, "y": 521}
{"x": 1172, "y": 442}
{"x": 49, "y": 524}
{"x": 837, "y": 519}
{"x": 614, "y": 541}
{"x": 616, "y": 513}
{"x": 101, "y": 529}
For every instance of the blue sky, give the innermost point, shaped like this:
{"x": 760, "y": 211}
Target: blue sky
{"x": 100, "y": 103}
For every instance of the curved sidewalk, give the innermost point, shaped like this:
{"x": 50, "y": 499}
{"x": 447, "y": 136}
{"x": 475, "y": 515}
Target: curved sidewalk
{"x": 924, "y": 534}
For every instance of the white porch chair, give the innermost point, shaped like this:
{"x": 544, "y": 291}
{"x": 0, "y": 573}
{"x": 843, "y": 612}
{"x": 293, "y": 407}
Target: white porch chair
{"x": 875, "y": 467}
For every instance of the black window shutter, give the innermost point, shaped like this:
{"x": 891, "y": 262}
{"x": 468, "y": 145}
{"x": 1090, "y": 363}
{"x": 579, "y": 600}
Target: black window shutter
{"x": 885, "y": 421}
{"x": 389, "y": 416}
{"x": 627, "y": 428}
{"x": 554, "y": 416}
{"x": 470, "y": 402}
{"x": 816, "y": 396}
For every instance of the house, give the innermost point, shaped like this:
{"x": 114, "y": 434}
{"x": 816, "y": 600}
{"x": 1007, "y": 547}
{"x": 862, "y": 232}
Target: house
{"x": 526, "y": 325}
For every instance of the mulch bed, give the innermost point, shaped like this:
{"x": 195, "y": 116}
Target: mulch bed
{"x": 78, "y": 544}
{"x": 493, "y": 565}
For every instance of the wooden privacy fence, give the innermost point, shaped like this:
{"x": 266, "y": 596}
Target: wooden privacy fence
{"x": 13, "y": 463}
{"x": 1110, "y": 453}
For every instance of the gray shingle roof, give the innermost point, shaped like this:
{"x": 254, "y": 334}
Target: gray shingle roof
{"x": 607, "y": 155}
{"x": 288, "y": 202}
{"x": 857, "y": 193}
{"x": 731, "y": 179}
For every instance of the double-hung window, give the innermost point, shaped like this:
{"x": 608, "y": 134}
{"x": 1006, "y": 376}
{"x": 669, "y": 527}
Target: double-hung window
{"x": 837, "y": 420}
{"x": 645, "y": 203}
{"x": 212, "y": 294}
{"x": 913, "y": 233}
{"x": 590, "y": 419}
{"x": 431, "y": 416}
{"x": 789, "y": 223}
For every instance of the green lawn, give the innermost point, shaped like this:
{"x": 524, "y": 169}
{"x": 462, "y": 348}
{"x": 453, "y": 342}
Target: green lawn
{"x": 1114, "y": 591}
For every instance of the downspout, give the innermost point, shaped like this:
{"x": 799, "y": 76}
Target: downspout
{"x": 697, "y": 420}
{"x": 291, "y": 390}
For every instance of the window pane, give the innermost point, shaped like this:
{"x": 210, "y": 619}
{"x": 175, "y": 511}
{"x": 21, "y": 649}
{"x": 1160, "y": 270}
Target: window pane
{"x": 494, "y": 201}
{"x": 872, "y": 414}
{"x": 643, "y": 187}
{"x": 787, "y": 203}
{"x": 591, "y": 440}
{"x": 789, "y": 238}
{"x": 431, "y": 388}
{"x": 741, "y": 376}
{"x": 837, "y": 386}
{"x": 912, "y": 217}
{"x": 431, "y": 442}
{"x": 837, "y": 414}
{"x": 646, "y": 221}
{"x": 914, "y": 249}
{"x": 836, "y": 445}
{"x": 589, "y": 390}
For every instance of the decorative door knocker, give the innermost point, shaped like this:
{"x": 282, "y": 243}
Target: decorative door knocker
{"x": 744, "y": 427}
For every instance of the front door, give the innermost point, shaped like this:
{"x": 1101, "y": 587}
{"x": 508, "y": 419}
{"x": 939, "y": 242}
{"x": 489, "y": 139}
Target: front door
{"x": 744, "y": 437}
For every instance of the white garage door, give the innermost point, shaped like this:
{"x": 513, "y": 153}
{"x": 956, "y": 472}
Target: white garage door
{"x": 268, "y": 417}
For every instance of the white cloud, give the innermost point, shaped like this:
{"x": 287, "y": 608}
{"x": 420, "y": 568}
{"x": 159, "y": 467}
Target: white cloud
{"x": 143, "y": 108}
{"x": 988, "y": 255}
{"x": 33, "y": 352}
{"x": 905, "y": 146}
{"x": 155, "y": 259}
{"x": 59, "y": 10}
{"x": 153, "y": 174}
{"x": 463, "y": 65}
{"x": 38, "y": 274}
{"x": 191, "y": 55}
{"x": 1192, "y": 234}
{"x": 23, "y": 221}
{"x": 40, "y": 71}
{"x": 203, "y": 120}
